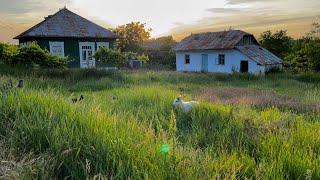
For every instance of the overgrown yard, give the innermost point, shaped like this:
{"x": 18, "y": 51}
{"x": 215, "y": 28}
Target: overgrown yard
{"x": 245, "y": 126}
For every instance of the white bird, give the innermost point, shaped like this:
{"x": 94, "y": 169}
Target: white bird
{"x": 186, "y": 106}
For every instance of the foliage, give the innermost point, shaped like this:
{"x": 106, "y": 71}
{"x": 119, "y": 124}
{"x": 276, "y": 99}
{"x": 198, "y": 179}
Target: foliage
{"x": 8, "y": 52}
{"x": 53, "y": 61}
{"x": 128, "y": 117}
{"x": 143, "y": 58}
{"x": 307, "y": 58}
{"x": 112, "y": 57}
{"x": 305, "y": 55}
{"x": 117, "y": 58}
{"x": 131, "y": 36}
{"x": 30, "y": 55}
{"x": 161, "y": 51}
{"x": 278, "y": 43}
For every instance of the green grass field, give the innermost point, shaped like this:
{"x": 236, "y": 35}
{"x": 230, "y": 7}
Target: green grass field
{"x": 246, "y": 126}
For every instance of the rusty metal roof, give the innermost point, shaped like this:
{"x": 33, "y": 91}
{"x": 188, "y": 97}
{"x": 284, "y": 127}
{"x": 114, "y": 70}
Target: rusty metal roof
{"x": 65, "y": 23}
{"x": 211, "y": 40}
{"x": 259, "y": 54}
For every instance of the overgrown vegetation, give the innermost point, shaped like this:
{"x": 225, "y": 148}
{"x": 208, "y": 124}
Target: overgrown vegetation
{"x": 301, "y": 55}
{"x": 245, "y": 127}
{"x": 114, "y": 57}
{"x": 30, "y": 56}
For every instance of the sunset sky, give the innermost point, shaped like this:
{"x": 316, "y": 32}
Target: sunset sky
{"x": 165, "y": 17}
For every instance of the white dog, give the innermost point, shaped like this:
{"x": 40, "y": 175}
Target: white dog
{"x": 185, "y": 106}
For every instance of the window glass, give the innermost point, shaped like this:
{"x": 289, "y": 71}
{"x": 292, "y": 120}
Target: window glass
{"x": 221, "y": 59}
{"x": 90, "y": 55}
{"x": 187, "y": 59}
{"x": 84, "y": 55}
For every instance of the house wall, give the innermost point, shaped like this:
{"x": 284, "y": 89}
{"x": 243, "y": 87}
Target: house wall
{"x": 232, "y": 62}
{"x": 71, "y": 46}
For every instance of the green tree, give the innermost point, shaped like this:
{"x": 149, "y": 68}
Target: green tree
{"x": 161, "y": 51}
{"x": 305, "y": 55}
{"x": 131, "y": 36}
{"x": 278, "y": 43}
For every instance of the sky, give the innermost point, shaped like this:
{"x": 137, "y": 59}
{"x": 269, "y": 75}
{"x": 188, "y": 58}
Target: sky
{"x": 169, "y": 17}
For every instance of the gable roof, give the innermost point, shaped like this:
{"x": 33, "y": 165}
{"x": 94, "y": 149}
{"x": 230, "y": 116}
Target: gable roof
{"x": 65, "y": 23}
{"x": 259, "y": 54}
{"x": 212, "y": 40}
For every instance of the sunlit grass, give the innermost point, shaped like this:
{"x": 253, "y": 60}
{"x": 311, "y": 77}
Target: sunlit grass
{"x": 118, "y": 130}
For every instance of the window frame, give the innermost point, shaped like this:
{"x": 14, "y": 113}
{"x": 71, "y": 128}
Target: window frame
{"x": 187, "y": 59}
{"x": 221, "y": 61}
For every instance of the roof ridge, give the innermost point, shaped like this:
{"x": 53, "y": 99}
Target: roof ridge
{"x": 63, "y": 13}
{"x": 37, "y": 25}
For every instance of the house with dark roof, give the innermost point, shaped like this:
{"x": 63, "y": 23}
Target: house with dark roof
{"x": 224, "y": 52}
{"x": 68, "y": 34}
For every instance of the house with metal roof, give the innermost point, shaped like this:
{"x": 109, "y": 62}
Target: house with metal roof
{"x": 68, "y": 34}
{"x": 224, "y": 52}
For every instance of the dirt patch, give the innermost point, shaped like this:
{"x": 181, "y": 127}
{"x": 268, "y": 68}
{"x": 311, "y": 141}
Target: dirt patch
{"x": 256, "y": 97}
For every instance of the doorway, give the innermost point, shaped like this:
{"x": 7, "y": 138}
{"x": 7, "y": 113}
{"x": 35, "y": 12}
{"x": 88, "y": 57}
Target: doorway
{"x": 244, "y": 66}
{"x": 87, "y": 50}
{"x": 204, "y": 63}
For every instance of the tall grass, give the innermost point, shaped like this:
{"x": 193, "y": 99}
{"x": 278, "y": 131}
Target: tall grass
{"x": 118, "y": 130}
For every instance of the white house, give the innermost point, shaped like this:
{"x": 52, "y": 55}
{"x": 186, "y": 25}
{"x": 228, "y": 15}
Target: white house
{"x": 224, "y": 52}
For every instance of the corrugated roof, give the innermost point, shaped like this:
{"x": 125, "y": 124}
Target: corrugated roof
{"x": 211, "y": 40}
{"x": 259, "y": 54}
{"x": 65, "y": 23}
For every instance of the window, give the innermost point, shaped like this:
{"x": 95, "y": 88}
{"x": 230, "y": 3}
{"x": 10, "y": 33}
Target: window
{"x": 221, "y": 59}
{"x": 23, "y": 44}
{"x": 102, "y": 45}
{"x": 57, "y": 48}
{"x": 187, "y": 59}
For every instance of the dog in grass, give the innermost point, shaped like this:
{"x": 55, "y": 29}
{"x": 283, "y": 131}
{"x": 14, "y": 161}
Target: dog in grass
{"x": 186, "y": 106}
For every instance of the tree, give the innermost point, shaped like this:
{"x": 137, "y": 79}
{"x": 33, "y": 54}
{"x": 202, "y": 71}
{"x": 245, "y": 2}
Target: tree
{"x": 278, "y": 43}
{"x": 161, "y": 51}
{"x": 131, "y": 36}
{"x": 305, "y": 55}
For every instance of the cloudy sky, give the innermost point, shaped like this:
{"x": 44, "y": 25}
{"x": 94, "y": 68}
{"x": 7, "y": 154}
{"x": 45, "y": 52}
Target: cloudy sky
{"x": 177, "y": 17}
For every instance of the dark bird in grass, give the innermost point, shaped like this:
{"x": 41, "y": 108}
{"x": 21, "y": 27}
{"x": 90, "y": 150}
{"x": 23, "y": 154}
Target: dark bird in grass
{"x": 20, "y": 83}
{"x": 81, "y": 98}
{"x": 74, "y": 100}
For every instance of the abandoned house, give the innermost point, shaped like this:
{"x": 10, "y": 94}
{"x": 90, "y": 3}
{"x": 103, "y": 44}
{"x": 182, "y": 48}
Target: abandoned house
{"x": 224, "y": 52}
{"x": 68, "y": 34}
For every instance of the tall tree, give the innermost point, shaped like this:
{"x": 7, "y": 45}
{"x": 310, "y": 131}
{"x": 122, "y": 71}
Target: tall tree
{"x": 131, "y": 36}
{"x": 305, "y": 55}
{"x": 278, "y": 43}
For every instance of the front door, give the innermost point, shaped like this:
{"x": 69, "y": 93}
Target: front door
{"x": 204, "y": 63}
{"x": 244, "y": 66}
{"x": 87, "y": 50}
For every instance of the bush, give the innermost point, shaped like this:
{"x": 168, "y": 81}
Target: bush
{"x": 29, "y": 55}
{"x": 8, "y": 52}
{"x": 33, "y": 55}
{"x": 56, "y": 62}
{"x": 111, "y": 57}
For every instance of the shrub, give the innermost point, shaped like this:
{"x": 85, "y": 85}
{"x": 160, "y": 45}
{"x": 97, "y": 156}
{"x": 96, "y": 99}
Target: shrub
{"x": 111, "y": 57}
{"x": 143, "y": 58}
{"x": 56, "y": 61}
{"x": 8, "y": 52}
{"x": 29, "y": 55}
{"x": 33, "y": 55}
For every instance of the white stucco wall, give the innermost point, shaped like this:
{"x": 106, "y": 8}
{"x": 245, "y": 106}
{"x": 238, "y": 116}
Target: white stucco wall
{"x": 232, "y": 62}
